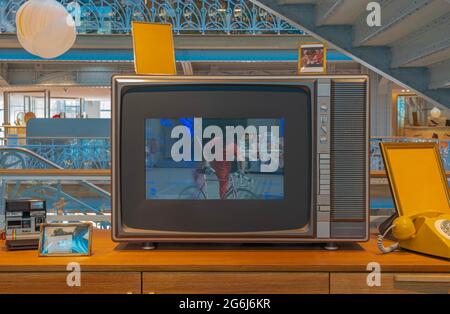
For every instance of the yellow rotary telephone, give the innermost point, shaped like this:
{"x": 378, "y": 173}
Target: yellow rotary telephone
{"x": 420, "y": 190}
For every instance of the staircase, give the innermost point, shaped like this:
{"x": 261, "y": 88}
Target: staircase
{"x": 411, "y": 47}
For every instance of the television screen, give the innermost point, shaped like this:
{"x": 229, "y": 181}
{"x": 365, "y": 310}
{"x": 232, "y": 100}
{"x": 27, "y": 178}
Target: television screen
{"x": 222, "y": 158}
{"x": 214, "y": 158}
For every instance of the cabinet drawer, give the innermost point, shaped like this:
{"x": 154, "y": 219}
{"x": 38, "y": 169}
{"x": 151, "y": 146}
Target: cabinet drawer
{"x": 55, "y": 282}
{"x": 235, "y": 282}
{"x": 391, "y": 283}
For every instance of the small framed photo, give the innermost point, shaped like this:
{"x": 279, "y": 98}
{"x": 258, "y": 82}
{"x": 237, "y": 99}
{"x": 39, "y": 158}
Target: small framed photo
{"x": 70, "y": 239}
{"x": 312, "y": 59}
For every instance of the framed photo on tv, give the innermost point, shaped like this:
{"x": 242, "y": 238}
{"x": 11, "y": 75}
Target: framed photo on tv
{"x": 70, "y": 239}
{"x": 312, "y": 59}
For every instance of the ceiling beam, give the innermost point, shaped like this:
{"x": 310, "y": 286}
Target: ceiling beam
{"x": 182, "y": 41}
{"x": 339, "y": 12}
{"x": 28, "y": 74}
{"x": 439, "y": 75}
{"x": 428, "y": 45}
{"x": 398, "y": 18}
{"x": 326, "y": 9}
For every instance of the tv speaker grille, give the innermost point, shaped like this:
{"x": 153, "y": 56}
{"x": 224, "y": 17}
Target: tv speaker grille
{"x": 349, "y": 138}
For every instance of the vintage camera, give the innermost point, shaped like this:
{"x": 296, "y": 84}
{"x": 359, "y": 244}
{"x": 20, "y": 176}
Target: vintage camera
{"x": 23, "y": 219}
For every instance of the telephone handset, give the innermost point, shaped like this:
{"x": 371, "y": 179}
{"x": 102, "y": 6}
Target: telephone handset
{"x": 428, "y": 232}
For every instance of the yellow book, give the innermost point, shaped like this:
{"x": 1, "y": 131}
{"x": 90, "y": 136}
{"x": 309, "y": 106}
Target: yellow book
{"x": 153, "y": 49}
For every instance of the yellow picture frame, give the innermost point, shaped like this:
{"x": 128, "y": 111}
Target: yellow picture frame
{"x": 153, "y": 48}
{"x": 307, "y": 69}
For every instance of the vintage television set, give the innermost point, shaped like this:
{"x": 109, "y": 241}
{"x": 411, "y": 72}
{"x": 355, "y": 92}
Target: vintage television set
{"x": 240, "y": 159}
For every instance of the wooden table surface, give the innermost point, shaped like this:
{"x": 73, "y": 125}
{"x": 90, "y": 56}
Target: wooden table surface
{"x": 109, "y": 256}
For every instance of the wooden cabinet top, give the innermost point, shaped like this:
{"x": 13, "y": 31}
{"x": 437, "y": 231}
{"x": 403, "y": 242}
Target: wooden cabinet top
{"x": 110, "y": 256}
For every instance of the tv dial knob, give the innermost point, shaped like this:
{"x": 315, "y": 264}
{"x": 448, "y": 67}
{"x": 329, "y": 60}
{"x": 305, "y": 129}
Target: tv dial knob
{"x": 324, "y": 129}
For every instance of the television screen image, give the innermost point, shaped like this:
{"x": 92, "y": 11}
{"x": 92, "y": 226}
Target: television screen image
{"x": 214, "y": 158}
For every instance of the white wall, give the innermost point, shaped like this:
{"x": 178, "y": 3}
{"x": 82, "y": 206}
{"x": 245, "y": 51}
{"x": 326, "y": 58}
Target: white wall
{"x": 92, "y": 108}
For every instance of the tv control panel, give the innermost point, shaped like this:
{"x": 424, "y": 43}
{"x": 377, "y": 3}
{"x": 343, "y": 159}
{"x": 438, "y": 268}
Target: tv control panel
{"x": 323, "y": 157}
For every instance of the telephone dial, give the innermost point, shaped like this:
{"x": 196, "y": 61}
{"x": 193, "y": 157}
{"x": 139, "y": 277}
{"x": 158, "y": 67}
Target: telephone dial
{"x": 419, "y": 187}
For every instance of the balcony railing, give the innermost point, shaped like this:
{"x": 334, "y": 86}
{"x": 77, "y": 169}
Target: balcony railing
{"x": 95, "y": 153}
{"x": 67, "y": 153}
{"x": 76, "y": 172}
{"x": 186, "y": 16}
{"x": 376, "y": 160}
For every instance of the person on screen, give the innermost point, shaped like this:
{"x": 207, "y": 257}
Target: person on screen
{"x": 223, "y": 168}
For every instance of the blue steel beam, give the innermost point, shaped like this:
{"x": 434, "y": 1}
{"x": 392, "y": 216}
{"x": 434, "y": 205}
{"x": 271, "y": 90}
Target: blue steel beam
{"x": 126, "y": 55}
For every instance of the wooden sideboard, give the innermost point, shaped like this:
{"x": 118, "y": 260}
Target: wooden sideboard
{"x": 202, "y": 269}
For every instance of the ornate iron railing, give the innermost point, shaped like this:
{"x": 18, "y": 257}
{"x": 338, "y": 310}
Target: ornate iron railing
{"x": 186, "y": 16}
{"x": 67, "y": 153}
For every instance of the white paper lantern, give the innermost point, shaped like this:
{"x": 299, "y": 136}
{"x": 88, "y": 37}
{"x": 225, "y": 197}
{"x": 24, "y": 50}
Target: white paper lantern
{"x": 435, "y": 113}
{"x": 44, "y": 28}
